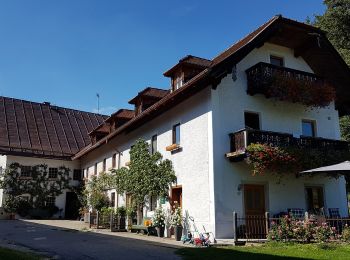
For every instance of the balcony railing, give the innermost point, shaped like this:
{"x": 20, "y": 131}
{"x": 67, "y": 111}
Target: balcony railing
{"x": 241, "y": 139}
{"x": 263, "y": 75}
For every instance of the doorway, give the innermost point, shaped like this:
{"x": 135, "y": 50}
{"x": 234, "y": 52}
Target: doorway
{"x": 176, "y": 196}
{"x": 72, "y": 205}
{"x": 254, "y": 200}
{"x": 254, "y": 206}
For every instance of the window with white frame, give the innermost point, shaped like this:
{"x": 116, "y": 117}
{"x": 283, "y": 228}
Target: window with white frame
{"x": 77, "y": 174}
{"x": 152, "y": 203}
{"x": 154, "y": 144}
{"x": 26, "y": 171}
{"x": 53, "y": 173}
{"x": 308, "y": 128}
{"x": 176, "y": 134}
{"x": 50, "y": 201}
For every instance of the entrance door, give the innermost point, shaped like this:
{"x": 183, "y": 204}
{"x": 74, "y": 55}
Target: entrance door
{"x": 254, "y": 200}
{"x": 254, "y": 203}
{"x": 72, "y": 205}
{"x": 176, "y": 196}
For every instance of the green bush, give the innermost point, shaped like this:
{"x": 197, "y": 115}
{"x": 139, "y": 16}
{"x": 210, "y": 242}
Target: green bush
{"x": 346, "y": 234}
{"x": 23, "y": 208}
{"x": 121, "y": 211}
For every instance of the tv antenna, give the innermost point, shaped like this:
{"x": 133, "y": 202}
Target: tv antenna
{"x": 98, "y": 103}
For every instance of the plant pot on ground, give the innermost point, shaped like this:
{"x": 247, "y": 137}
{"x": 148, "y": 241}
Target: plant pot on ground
{"x": 160, "y": 231}
{"x": 178, "y": 233}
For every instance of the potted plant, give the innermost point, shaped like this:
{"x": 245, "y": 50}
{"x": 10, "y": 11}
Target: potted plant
{"x": 176, "y": 223}
{"x": 159, "y": 221}
{"x": 168, "y": 223}
{"x": 130, "y": 213}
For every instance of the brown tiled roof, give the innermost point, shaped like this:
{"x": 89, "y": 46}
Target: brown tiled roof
{"x": 155, "y": 93}
{"x": 122, "y": 113}
{"x": 42, "y": 130}
{"x": 189, "y": 60}
{"x": 209, "y": 76}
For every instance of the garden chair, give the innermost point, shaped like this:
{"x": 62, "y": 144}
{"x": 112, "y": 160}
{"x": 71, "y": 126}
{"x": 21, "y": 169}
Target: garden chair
{"x": 296, "y": 213}
{"x": 334, "y": 213}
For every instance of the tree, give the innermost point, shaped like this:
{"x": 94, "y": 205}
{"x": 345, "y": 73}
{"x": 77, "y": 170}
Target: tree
{"x": 336, "y": 22}
{"x": 38, "y": 185}
{"x": 345, "y": 128}
{"x": 148, "y": 174}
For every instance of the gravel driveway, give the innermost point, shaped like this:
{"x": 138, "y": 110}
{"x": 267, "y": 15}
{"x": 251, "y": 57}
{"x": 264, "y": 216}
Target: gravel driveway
{"x": 61, "y": 243}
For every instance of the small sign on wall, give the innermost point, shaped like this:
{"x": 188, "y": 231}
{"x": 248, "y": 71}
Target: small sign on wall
{"x": 162, "y": 200}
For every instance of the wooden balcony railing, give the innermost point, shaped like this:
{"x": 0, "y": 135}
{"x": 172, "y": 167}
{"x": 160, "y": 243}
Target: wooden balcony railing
{"x": 262, "y": 75}
{"x": 241, "y": 139}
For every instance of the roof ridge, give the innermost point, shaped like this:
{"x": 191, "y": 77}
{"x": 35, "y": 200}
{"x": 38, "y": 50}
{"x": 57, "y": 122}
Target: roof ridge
{"x": 50, "y": 104}
{"x": 257, "y": 30}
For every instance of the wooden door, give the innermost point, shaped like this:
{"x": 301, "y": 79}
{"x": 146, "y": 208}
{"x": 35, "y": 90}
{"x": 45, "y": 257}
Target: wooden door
{"x": 254, "y": 204}
{"x": 254, "y": 199}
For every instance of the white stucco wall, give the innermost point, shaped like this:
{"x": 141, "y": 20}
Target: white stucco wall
{"x": 31, "y": 161}
{"x": 191, "y": 165}
{"x": 209, "y": 181}
{"x": 3, "y": 159}
{"x": 230, "y": 101}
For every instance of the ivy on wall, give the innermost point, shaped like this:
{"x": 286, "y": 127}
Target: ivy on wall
{"x": 39, "y": 186}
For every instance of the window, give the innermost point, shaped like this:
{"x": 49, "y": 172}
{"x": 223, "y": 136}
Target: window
{"x": 104, "y": 165}
{"x": 176, "y": 134}
{"x": 53, "y": 173}
{"x": 1, "y": 171}
{"x": 50, "y": 201}
{"x": 26, "y": 171}
{"x": 252, "y": 120}
{"x": 178, "y": 82}
{"x": 275, "y": 60}
{"x": 114, "y": 161}
{"x": 154, "y": 144}
{"x": 113, "y": 199}
{"x": 152, "y": 203}
{"x": 77, "y": 175}
{"x": 87, "y": 172}
{"x": 308, "y": 128}
{"x": 314, "y": 199}
{"x": 95, "y": 169}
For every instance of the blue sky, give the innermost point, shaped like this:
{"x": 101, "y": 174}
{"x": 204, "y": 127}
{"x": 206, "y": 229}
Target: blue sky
{"x": 66, "y": 51}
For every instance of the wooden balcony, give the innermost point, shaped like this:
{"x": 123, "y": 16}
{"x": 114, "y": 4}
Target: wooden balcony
{"x": 263, "y": 75}
{"x": 241, "y": 139}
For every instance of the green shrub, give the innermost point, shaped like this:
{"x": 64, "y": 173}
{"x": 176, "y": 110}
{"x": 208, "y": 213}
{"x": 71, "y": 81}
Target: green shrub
{"x": 121, "y": 211}
{"x": 346, "y": 233}
{"x": 23, "y": 207}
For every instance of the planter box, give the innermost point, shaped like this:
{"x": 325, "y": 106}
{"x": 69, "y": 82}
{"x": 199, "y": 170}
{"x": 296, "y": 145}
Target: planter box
{"x": 172, "y": 147}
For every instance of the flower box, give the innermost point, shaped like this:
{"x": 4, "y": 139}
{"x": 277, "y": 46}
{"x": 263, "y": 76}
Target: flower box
{"x": 172, "y": 147}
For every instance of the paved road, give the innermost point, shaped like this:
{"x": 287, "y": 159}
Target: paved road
{"x": 72, "y": 244}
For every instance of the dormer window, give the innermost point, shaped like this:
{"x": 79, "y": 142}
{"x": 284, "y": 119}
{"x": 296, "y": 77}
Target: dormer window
{"x": 178, "y": 83}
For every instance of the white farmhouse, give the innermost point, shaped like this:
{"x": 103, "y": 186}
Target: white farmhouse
{"x": 203, "y": 124}
{"x": 40, "y": 133}
{"x": 217, "y": 107}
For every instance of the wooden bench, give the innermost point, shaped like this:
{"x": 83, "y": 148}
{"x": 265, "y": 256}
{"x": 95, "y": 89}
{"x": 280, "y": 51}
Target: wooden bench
{"x": 147, "y": 230}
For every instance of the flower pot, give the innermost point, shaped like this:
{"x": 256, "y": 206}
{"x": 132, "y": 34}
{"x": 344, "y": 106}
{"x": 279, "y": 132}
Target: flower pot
{"x": 178, "y": 233}
{"x": 168, "y": 232}
{"x": 160, "y": 231}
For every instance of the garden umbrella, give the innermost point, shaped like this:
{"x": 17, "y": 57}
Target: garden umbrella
{"x": 340, "y": 167}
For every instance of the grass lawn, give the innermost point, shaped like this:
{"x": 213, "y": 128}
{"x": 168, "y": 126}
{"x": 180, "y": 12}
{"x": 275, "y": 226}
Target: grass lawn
{"x": 271, "y": 251}
{"x": 10, "y": 254}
